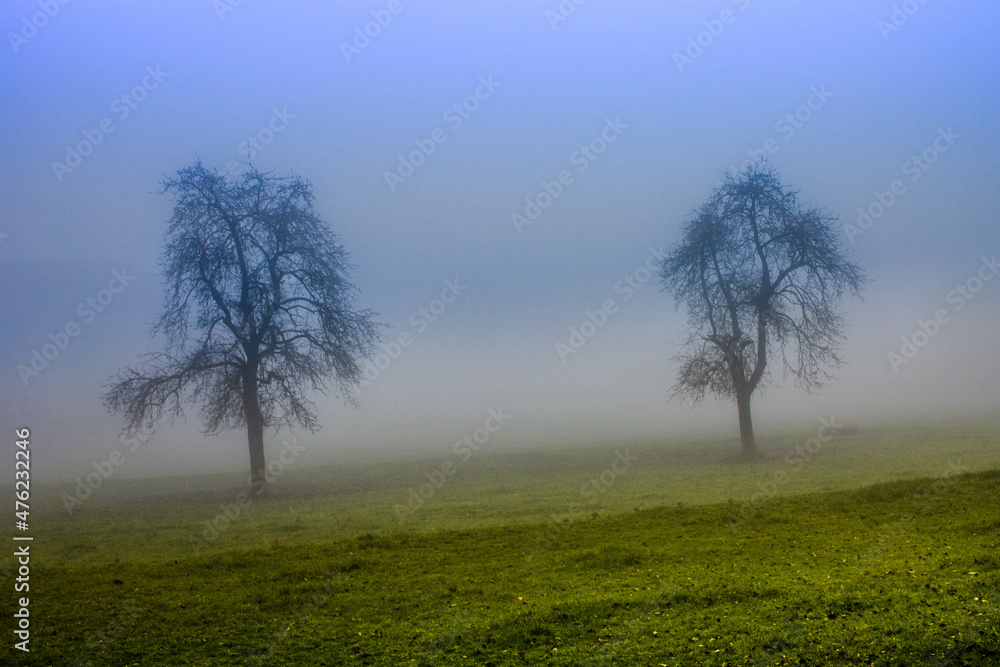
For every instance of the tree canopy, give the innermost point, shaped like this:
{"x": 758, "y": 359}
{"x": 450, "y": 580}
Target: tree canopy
{"x": 762, "y": 276}
{"x": 258, "y": 312}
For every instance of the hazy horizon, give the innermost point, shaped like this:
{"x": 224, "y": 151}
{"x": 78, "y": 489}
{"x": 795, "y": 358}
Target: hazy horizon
{"x": 874, "y": 99}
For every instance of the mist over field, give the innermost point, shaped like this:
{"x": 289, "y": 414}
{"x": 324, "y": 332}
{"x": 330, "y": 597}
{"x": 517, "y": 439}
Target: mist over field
{"x": 435, "y": 146}
{"x": 652, "y": 333}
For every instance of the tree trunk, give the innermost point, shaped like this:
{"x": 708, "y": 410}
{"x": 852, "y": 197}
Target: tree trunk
{"x": 255, "y": 431}
{"x": 746, "y": 424}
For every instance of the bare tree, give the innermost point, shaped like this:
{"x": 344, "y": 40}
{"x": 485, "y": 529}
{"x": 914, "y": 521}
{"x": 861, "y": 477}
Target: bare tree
{"x": 258, "y": 311}
{"x": 762, "y": 277}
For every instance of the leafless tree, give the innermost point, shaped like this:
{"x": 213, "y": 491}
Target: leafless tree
{"x": 258, "y": 311}
{"x": 762, "y": 276}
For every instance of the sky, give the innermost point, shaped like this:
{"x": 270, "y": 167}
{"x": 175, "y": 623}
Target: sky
{"x": 429, "y": 130}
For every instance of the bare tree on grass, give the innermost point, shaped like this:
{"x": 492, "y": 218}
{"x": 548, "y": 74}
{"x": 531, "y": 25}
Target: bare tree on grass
{"x": 258, "y": 311}
{"x": 762, "y": 276}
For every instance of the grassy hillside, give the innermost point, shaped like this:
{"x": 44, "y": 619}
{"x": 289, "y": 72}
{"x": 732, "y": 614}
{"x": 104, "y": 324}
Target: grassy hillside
{"x": 896, "y": 573}
{"x": 136, "y": 520}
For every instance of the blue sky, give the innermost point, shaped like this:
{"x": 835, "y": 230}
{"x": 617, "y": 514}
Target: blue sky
{"x": 200, "y": 78}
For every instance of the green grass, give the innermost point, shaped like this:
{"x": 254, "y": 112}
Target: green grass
{"x": 664, "y": 567}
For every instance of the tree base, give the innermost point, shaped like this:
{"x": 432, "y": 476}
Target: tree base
{"x": 258, "y": 484}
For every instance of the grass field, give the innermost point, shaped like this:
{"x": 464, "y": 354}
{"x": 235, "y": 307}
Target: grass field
{"x": 879, "y": 548}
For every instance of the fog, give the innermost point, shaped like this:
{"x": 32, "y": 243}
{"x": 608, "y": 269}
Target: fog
{"x": 845, "y": 99}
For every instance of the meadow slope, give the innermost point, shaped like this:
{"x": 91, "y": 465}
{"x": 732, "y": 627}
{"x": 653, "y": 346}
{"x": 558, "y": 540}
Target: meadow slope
{"x": 895, "y": 573}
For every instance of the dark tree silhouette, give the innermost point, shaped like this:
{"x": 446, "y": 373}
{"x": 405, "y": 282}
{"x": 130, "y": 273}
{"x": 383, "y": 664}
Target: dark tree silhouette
{"x": 258, "y": 311}
{"x": 762, "y": 276}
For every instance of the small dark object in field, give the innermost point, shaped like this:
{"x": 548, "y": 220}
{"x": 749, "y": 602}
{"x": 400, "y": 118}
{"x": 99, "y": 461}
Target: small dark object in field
{"x": 118, "y": 581}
